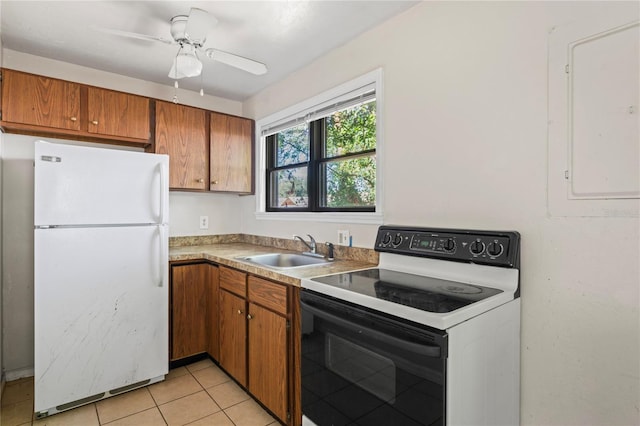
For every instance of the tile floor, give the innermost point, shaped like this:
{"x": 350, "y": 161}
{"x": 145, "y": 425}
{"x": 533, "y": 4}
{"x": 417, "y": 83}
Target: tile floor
{"x": 199, "y": 394}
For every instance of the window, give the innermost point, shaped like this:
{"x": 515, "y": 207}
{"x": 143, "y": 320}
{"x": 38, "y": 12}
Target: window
{"x": 328, "y": 164}
{"x": 320, "y": 160}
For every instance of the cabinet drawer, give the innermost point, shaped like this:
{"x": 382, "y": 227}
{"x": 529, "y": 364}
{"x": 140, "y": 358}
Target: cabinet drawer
{"x": 233, "y": 281}
{"x": 268, "y": 294}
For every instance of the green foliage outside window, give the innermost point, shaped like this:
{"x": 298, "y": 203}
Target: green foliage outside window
{"x": 351, "y": 183}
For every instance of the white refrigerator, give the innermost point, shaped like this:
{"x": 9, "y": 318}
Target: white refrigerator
{"x": 101, "y": 273}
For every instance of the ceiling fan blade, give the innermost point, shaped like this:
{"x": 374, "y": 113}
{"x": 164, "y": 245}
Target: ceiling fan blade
{"x": 246, "y": 64}
{"x": 198, "y": 25}
{"x": 135, "y": 35}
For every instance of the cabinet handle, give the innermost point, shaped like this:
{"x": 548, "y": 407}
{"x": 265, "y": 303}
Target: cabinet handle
{"x": 214, "y": 182}
{"x": 94, "y": 122}
{"x": 200, "y": 180}
{"x": 239, "y": 312}
{"x": 73, "y": 118}
{"x": 249, "y": 317}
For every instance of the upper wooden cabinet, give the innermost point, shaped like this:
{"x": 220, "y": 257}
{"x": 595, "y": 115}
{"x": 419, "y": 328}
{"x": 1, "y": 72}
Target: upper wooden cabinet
{"x": 40, "y": 101}
{"x": 181, "y": 132}
{"x": 231, "y": 165}
{"x": 46, "y": 106}
{"x": 208, "y": 151}
{"x": 117, "y": 114}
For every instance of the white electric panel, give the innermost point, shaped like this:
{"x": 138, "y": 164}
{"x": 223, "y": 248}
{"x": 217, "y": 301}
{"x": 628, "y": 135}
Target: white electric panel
{"x": 604, "y": 87}
{"x": 594, "y": 116}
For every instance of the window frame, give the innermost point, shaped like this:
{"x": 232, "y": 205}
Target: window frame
{"x": 365, "y": 215}
{"x": 316, "y": 182}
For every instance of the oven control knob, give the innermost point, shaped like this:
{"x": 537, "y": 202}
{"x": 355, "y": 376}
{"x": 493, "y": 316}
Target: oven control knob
{"x": 449, "y": 245}
{"x": 495, "y": 249}
{"x": 397, "y": 240}
{"x": 386, "y": 239}
{"x": 476, "y": 247}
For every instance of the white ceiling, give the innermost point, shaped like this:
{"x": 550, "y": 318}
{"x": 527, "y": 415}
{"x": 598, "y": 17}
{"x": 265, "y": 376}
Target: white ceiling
{"x": 285, "y": 35}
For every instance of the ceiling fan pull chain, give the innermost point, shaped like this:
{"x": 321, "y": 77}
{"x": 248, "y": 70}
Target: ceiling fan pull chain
{"x": 175, "y": 94}
{"x": 201, "y": 85}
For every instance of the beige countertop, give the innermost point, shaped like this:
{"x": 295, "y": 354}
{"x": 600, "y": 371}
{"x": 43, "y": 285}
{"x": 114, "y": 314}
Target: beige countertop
{"x": 226, "y": 254}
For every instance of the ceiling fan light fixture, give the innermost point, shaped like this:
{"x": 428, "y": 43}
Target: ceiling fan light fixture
{"x": 186, "y": 63}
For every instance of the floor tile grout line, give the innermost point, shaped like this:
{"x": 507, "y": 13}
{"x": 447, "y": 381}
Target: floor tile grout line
{"x": 166, "y": 422}
{"x": 121, "y": 418}
{"x": 95, "y": 408}
{"x": 211, "y": 414}
{"x": 175, "y": 399}
{"x": 128, "y": 415}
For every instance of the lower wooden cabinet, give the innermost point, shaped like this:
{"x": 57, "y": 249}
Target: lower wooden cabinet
{"x": 188, "y": 310}
{"x": 213, "y": 311}
{"x": 243, "y": 322}
{"x": 254, "y": 337}
{"x": 233, "y": 336}
{"x": 268, "y": 367}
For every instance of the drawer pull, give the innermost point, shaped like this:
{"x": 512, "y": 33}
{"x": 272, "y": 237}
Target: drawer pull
{"x": 94, "y": 122}
{"x": 239, "y": 312}
{"x": 73, "y": 118}
{"x": 249, "y": 317}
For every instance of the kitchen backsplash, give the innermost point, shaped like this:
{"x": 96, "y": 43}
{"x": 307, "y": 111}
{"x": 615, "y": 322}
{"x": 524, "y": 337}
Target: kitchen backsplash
{"x": 340, "y": 252}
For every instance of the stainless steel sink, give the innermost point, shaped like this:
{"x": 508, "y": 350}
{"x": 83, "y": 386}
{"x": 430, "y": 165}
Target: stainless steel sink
{"x": 284, "y": 260}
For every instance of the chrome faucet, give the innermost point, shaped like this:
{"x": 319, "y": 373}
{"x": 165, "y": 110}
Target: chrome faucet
{"x": 311, "y": 245}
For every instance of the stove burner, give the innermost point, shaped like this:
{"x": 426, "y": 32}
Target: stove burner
{"x": 461, "y": 289}
{"x": 423, "y": 300}
{"x": 416, "y": 291}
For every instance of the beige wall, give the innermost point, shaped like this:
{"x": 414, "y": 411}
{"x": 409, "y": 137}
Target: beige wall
{"x": 465, "y": 134}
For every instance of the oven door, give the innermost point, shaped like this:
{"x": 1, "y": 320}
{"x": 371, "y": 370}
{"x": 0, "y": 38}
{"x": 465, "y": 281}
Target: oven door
{"x": 367, "y": 368}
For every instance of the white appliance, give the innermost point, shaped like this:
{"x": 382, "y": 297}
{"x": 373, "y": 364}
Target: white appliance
{"x": 429, "y": 337}
{"x": 101, "y": 273}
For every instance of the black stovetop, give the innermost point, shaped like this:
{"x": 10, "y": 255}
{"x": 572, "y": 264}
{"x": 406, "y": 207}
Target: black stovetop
{"x": 420, "y": 292}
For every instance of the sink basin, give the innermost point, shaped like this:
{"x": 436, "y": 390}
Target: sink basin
{"x": 285, "y": 260}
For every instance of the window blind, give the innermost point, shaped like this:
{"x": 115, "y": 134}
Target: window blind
{"x": 358, "y": 96}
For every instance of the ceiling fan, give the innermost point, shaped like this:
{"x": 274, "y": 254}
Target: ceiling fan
{"x": 190, "y": 32}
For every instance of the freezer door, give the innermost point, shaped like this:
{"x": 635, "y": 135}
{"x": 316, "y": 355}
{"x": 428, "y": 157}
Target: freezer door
{"x": 77, "y": 185}
{"x": 101, "y": 310}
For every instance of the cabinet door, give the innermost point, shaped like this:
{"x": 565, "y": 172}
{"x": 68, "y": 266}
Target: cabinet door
{"x": 40, "y": 101}
{"x": 118, "y": 114}
{"x": 231, "y": 153}
{"x": 213, "y": 291}
{"x": 233, "y": 336}
{"x": 268, "y": 379}
{"x": 181, "y": 132}
{"x": 188, "y": 310}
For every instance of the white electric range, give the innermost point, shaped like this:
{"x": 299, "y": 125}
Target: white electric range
{"x": 429, "y": 337}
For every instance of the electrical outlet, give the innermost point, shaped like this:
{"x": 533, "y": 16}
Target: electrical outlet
{"x": 343, "y": 237}
{"x": 204, "y": 222}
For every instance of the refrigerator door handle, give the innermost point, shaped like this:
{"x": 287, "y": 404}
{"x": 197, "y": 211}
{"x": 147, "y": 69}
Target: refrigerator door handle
{"x": 163, "y": 185}
{"x": 164, "y": 256}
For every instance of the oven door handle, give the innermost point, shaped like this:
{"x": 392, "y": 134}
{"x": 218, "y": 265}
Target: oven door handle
{"x": 431, "y": 351}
